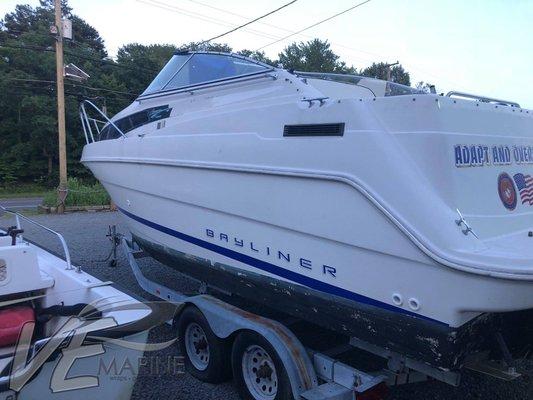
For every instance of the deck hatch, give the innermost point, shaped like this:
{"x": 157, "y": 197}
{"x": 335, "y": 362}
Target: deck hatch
{"x": 336, "y": 129}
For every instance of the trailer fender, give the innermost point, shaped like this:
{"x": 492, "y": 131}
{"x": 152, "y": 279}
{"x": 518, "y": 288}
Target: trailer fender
{"x": 225, "y": 319}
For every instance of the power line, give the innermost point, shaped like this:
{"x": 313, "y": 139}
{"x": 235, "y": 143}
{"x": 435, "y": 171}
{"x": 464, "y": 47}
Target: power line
{"x": 102, "y": 89}
{"x": 290, "y": 31}
{"x": 201, "y": 17}
{"x": 315, "y": 24}
{"x": 250, "y": 22}
{"x": 28, "y": 80}
{"x": 281, "y": 28}
{"x": 107, "y": 62}
{"x": 287, "y": 30}
{"x": 235, "y": 14}
{"x": 27, "y": 47}
{"x": 370, "y": 56}
{"x": 70, "y": 84}
{"x": 75, "y": 43}
{"x": 284, "y": 29}
{"x": 111, "y": 63}
{"x": 80, "y": 56}
{"x": 48, "y": 90}
{"x": 31, "y": 88}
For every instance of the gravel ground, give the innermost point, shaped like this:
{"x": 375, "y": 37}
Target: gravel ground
{"x": 85, "y": 234}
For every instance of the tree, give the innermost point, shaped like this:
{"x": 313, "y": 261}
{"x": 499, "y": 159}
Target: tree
{"x": 379, "y": 71}
{"x": 257, "y": 55}
{"x": 424, "y": 87}
{"x": 314, "y": 56}
{"x": 28, "y": 132}
{"x": 195, "y": 46}
{"x": 139, "y": 64}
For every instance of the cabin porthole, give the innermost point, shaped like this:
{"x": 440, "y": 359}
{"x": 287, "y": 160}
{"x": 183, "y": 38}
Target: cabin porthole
{"x": 414, "y": 304}
{"x": 397, "y": 299}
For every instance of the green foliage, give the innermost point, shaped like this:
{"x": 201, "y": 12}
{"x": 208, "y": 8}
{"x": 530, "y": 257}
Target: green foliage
{"x": 194, "y": 46}
{"x": 80, "y": 194}
{"x": 379, "y": 71}
{"x": 27, "y": 102}
{"x": 314, "y": 56}
{"x": 32, "y": 189}
{"x": 257, "y": 55}
{"x": 140, "y": 64}
{"x": 7, "y": 173}
{"x": 423, "y": 87}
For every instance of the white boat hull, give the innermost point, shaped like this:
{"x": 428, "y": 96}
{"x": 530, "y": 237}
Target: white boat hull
{"x": 355, "y": 265}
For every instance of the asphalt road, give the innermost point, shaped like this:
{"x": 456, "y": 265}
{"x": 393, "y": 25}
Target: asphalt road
{"x": 85, "y": 234}
{"x": 23, "y": 203}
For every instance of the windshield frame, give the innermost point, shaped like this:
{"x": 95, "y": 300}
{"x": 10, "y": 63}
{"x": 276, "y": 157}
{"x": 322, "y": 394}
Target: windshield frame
{"x": 162, "y": 91}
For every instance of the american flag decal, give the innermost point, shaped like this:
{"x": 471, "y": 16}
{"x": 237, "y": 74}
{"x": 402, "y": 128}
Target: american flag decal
{"x": 524, "y": 184}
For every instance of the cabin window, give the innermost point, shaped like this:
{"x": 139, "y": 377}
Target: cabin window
{"x": 134, "y": 121}
{"x": 201, "y": 68}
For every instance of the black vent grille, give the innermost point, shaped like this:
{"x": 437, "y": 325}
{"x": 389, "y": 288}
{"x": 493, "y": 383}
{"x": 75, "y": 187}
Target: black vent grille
{"x": 314, "y": 130}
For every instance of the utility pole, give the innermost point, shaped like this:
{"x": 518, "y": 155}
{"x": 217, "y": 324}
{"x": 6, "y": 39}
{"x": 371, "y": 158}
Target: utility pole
{"x": 62, "y": 190}
{"x": 388, "y": 66}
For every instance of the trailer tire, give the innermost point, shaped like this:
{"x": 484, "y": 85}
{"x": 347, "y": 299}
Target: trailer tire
{"x": 206, "y": 356}
{"x": 258, "y": 371}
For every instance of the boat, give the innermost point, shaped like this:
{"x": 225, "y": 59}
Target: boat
{"x": 388, "y": 214}
{"x": 63, "y": 332}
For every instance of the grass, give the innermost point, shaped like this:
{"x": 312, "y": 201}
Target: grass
{"x": 22, "y": 190}
{"x": 80, "y": 194}
{"x": 27, "y": 213}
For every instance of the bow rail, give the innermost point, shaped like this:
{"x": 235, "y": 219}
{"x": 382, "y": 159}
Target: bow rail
{"x": 18, "y": 216}
{"x": 87, "y": 122}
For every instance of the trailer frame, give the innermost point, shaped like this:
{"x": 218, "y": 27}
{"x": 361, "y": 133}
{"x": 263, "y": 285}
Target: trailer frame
{"x": 313, "y": 375}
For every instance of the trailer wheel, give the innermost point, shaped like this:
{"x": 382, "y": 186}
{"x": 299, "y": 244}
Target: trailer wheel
{"x": 258, "y": 371}
{"x": 207, "y": 357}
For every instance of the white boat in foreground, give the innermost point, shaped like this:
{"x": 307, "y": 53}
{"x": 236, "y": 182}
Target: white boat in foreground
{"x": 397, "y": 217}
{"x": 63, "y": 333}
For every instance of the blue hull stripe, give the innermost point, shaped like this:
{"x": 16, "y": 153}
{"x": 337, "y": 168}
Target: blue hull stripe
{"x": 275, "y": 270}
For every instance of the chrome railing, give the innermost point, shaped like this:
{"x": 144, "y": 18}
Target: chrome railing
{"x": 19, "y": 216}
{"x": 482, "y": 99}
{"x": 389, "y": 88}
{"x": 88, "y": 127}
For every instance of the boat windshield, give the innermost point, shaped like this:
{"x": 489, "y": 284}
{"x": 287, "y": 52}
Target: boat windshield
{"x": 189, "y": 69}
{"x": 378, "y": 87}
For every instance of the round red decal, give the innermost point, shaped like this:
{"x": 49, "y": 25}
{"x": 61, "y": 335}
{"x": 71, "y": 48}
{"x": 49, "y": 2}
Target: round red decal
{"x": 507, "y": 191}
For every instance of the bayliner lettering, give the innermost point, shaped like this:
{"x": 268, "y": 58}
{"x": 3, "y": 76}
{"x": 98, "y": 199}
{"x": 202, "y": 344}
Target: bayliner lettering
{"x": 482, "y": 155}
{"x": 255, "y": 248}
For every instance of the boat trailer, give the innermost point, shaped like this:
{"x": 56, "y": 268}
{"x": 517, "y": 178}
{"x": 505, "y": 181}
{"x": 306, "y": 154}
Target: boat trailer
{"x": 312, "y": 375}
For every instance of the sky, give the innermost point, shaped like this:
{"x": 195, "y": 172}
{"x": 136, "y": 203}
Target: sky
{"x": 477, "y": 46}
